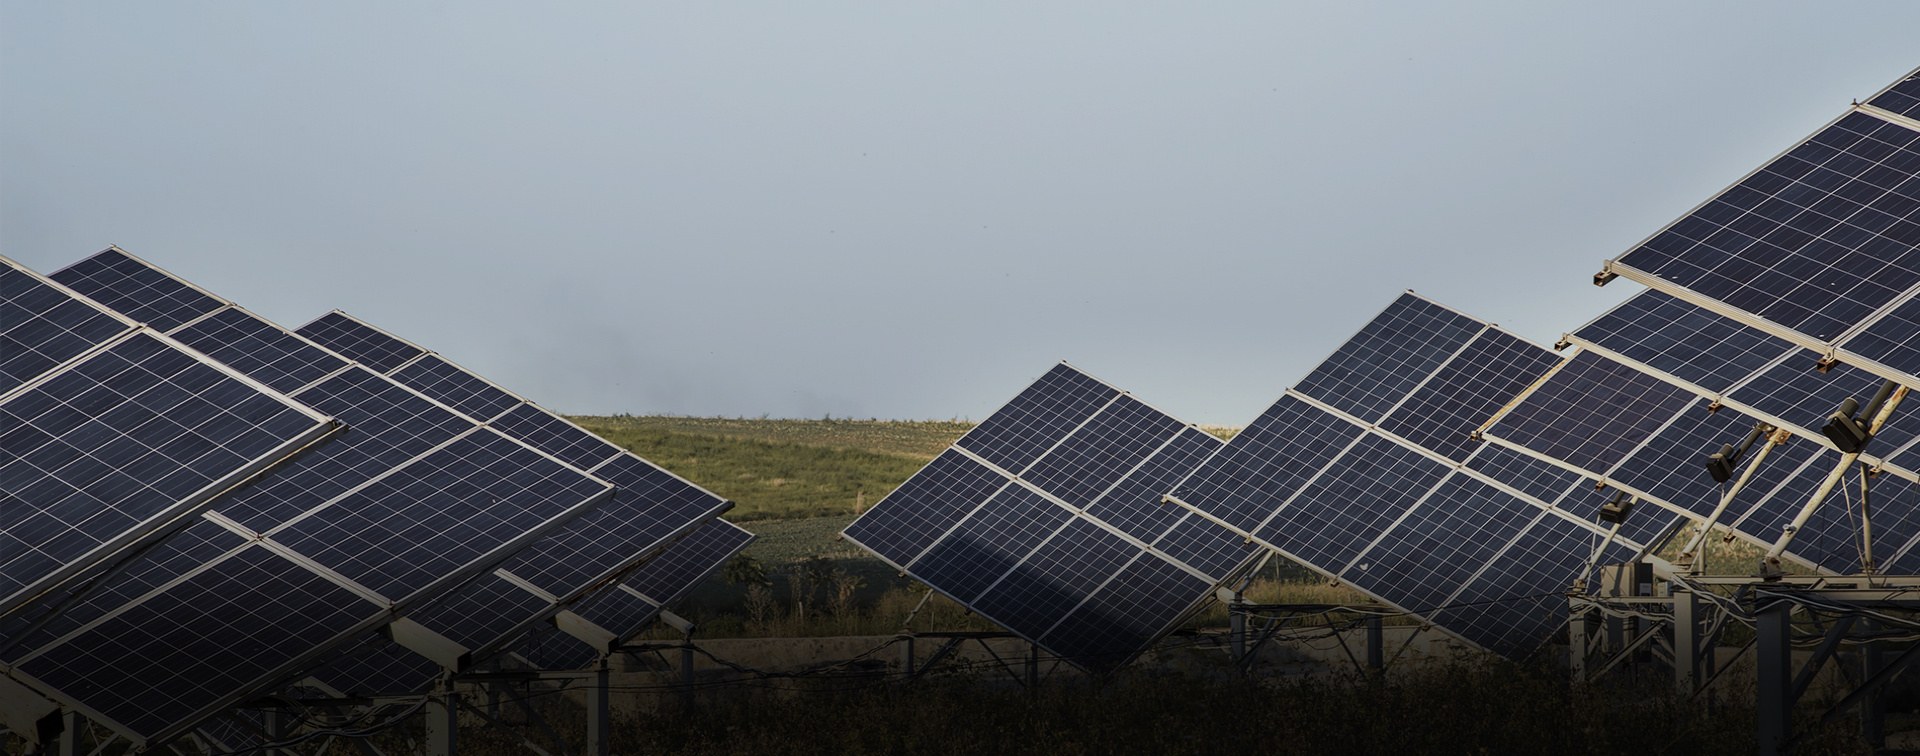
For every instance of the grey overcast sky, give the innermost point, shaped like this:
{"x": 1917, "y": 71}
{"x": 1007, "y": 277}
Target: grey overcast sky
{"x": 901, "y": 210}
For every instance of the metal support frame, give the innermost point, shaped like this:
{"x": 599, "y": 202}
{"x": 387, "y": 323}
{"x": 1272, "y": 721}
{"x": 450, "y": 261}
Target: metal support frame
{"x": 600, "y": 711}
{"x": 1280, "y": 617}
{"x": 443, "y": 720}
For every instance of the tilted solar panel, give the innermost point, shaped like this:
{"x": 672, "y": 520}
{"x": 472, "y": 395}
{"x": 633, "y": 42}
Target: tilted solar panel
{"x": 417, "y": 502}
{"x": 120, "y": 439}
{"x": 1820, "y": 247}
{"x": 652, "y": 509}
{"x": 1633, "y": 409}
{"x": 1366, "y": 471}
{"x": 1045, "y": 518}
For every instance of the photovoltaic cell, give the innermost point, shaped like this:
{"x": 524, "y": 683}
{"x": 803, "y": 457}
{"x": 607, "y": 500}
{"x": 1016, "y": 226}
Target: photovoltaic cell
{"x": 1124, "y": 616}
{"x": 1057, "y": 577}
{"x": 455, "y": 387}
{"x": 133, "y": 288}
{"x": 120, "y": 445}
{"x": 1695, "y": 345}
{"x": 1816, "y": 241}
{"x": 1413, "y": 509}
{"x": 209, "y": 636}
{"x": 367, "y": 346}
{"x": 931, "y": 501}
{"x": 1376, "y": 368}
{"x": 1038, "y": 418}
{"x": 1520, "y": 601}
{"x": 262, "y": 350}
{"x": 42, "y": 326}
{"x": 1351, "y": 502}
{"x": 1028, "y": 551}
{"x": 1903, "y": 97}
{"x": 400, "y": 532}
{"x": 555, "y": 436}
{"x": 1008, "y": 528}
{"x": 1115, "y": 440}
{"x": 1592, "y": 412}
{"x": 1492, "y": 369}
{"x": 1267, "y": 462}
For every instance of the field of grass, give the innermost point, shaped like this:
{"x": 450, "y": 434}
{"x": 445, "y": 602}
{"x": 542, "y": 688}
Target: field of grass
{"x": 919, "y": 439}
{"x": 769, "y": 479}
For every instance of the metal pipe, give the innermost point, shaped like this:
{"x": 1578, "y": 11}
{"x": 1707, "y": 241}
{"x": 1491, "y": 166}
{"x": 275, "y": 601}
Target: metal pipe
{"x": 1693, "y": 546}
{"x": 1770, "y": 564}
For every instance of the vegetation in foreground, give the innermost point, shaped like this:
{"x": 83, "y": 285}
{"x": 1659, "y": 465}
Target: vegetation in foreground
{"x": 1496, "y": 708}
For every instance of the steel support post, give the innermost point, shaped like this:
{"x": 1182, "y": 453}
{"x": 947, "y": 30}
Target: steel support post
{"x": 1579, "y": 635}
{"x": 70, "y": 726}
{"x": 1688, "y": 671}
{"x": 1237, "y": 636}
{"x": 906, "y": 658}
{"x": 1773, "y": 649}
{"x": 1033, "y": 665}
{"x": 1873, "y": 707}
{"x": 600, "y": 712}
{"x": 443, "y": 720}
{"x": 686, "y": 678}
{"x": 1376, "y": 653}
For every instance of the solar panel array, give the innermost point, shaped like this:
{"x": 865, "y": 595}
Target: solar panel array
{"x": 1046, "y": 518}
{"x": 410, "y": 512}
{"x": 1820, "y": 247}
{"x": 1367, "y": 471}
{"x": 112, "y": 434}
{"x": 1660, "y": 383}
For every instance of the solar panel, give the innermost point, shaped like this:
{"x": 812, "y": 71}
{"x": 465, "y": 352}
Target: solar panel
{"x": 657, "y": 585}
{"x": 1366, "y": 471}
{"x": 1045, "y": 519}
{"x": 1632, "y": 408}
{"x": 415, "y": 504}
{"x": 1820, "y": 247}
{"x": 122, "y": 436}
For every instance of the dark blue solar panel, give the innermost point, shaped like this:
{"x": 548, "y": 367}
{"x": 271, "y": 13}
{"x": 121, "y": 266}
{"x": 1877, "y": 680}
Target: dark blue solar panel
{"x": 1890, "y": 340}
{"x": 1056, "y": 578}
{"x": 914, "y": 515}
{"x": 1519, "y": 602}
{"x": 198, "y": 544}
{"x": 1444, "y": 412}
{"x": 374, "y": 665}
{"x": 1398, "y": 349}
{"x": 472, "y": 616}
{"x": 990, "y": 542}
{"x": 260, "y": 349}
{"x": 1533, "y": 477}
{"x": 1135, "y": 505}
{"x": 1140, "y": 604}
{"x": 123, "y": 442}
{"x": 42, "y": 326}
{"x": 1103, "y": 450}
{"x": 402, "y": 532}
{"x": 1592, "y": 413}
{"x": 212, "y": 635}
{"x": 552, "y": 434}
{"x": 1038, "y": 418}
{"x": 1443, "y": 542}
{"x": 668, "y": 577}
{"x": 359, "y": 342}
{"x": 387, "y": 425}
{"x": 1644, "y": 524}
{"x": 1708, "y": 350}
{"x": 1903, "y": 97}
{"x": 137, "y": 290}
{"x": 1267, "y": 462}
{"x": 456, "y": 388}
{"x": 649, "y": 506}
{"x": 1797, "y": 393}
{"x": 1335, "y": 516}
{"x": 1816, "y": 241}
{"x": 1670, "y": 466}
{"x": 1207, "y": 546}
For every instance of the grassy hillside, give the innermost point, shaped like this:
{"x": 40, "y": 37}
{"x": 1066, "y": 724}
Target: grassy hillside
{"x": 770, "y": 479}
{"x": 912, "y": 438}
